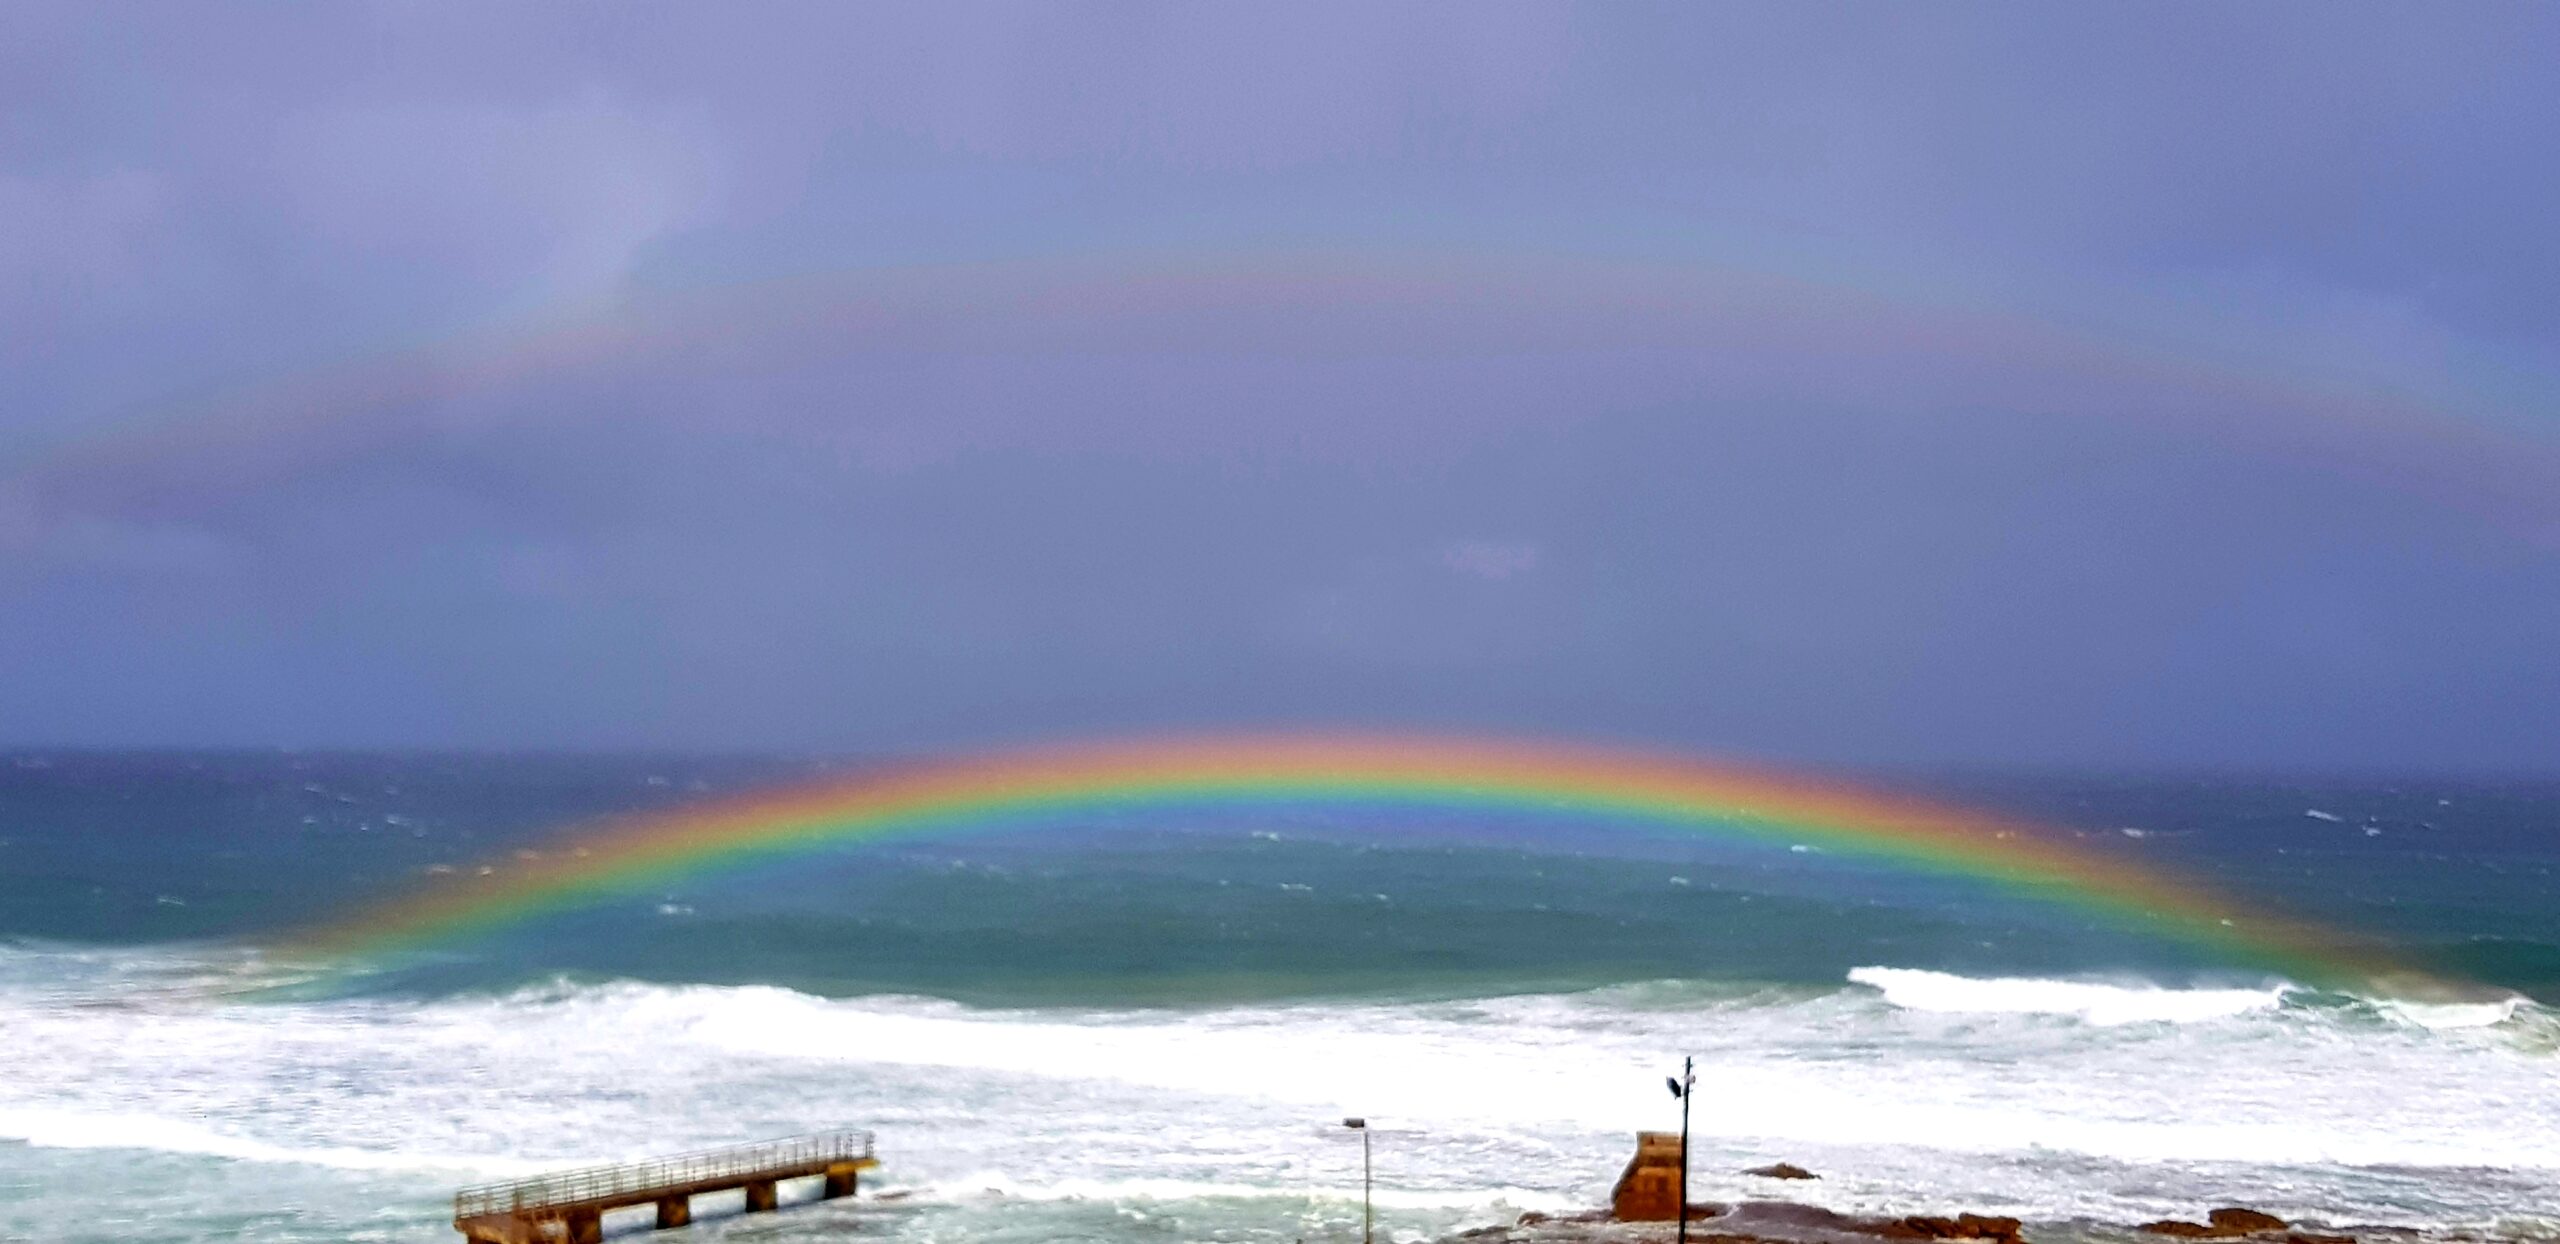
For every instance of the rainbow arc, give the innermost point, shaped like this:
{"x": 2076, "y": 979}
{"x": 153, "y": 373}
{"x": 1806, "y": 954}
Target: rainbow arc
{"x": 1620, "y": 787}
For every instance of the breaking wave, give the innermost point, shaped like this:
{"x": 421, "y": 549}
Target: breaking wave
{"x": 2103, "y": 1097}
{"x": 2098, "y": 1003}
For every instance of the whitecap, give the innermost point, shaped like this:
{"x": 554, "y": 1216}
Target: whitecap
{"x": 78, "y": 1129}
{"x": 2448, "y": 1015}
{"x": 2096, "y": 1002}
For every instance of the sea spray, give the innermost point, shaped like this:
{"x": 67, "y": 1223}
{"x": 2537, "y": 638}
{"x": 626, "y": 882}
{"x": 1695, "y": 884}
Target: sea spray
{"x": 1535, "y": 1094}
{"x": 1139, "y": 1031}
{"x": 2096, "y": 1002}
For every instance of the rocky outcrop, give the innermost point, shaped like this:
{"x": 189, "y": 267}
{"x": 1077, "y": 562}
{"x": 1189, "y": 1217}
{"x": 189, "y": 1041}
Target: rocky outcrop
{"x": 2231, "y": 1222}
{"x": 1531, "y": 1221}
{"x": 1756, "y": 1222}
{"x": 1960, "y": 1227}
{"x": 1649, "y": 1192}
{"x": 2233, "y": 1219}
{"x": 1782, "y": 1170}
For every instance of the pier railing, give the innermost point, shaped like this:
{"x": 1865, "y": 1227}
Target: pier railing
{"x": 631, "y": 1179}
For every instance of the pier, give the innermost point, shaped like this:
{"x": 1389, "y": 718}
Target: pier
{"x": 568, "y": 1207}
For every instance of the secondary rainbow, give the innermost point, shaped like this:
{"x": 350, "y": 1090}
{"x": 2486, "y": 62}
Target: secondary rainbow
{"x": 1600, "y": 785}
{"x": 2465, "y": 448}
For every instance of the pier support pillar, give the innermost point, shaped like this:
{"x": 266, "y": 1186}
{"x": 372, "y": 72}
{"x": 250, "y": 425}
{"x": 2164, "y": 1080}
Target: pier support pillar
{"x": 760, "y": 1196}
{"x": 584, "y": 1226}
{"x": 840, "y": 1182}
{"x": 675, "y": 1211}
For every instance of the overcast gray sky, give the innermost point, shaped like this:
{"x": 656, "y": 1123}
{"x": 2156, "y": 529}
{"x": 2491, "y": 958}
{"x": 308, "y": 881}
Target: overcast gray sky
{"x": 2159, "y": 385}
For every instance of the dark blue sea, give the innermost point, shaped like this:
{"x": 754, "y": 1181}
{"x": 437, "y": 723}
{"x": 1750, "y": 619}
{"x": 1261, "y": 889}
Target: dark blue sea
{"x": 1149, "y": 1029}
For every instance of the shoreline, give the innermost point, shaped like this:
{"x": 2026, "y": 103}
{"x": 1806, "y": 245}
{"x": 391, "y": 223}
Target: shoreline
{"x": 1645, "y": 1204}
{"x": 1775, "y": 1221}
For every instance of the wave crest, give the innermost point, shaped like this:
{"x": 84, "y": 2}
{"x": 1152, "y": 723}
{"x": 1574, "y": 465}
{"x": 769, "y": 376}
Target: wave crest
{"x": 1918, "y": 989}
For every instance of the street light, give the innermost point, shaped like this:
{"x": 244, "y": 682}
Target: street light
{"x": 1362, "y": 1126}
{"x": 1683, "y": 1088}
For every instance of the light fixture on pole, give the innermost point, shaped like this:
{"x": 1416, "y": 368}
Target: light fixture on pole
{"x": 1683, "y": 1088}
{"x": 1362, "y": 1126}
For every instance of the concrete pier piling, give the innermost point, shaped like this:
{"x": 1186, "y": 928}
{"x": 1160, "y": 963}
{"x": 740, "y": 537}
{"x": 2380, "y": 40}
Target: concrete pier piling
{"x": 569, "y": 1207}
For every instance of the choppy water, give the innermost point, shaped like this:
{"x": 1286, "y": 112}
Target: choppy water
{"x": 1150, "y": 1031}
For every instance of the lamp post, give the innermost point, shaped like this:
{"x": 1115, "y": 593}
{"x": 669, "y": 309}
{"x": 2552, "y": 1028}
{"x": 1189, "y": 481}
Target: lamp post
{"x": 1683, "y": 1088}
{"x": 1362, "y": 1126}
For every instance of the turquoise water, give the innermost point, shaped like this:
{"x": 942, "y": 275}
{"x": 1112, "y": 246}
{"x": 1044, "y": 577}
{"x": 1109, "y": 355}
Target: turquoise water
{"x": 1149, "y": 1027}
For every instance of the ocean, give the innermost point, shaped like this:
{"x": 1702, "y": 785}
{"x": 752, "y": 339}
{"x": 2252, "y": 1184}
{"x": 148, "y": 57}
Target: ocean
{"x": 1150, "y": 1027}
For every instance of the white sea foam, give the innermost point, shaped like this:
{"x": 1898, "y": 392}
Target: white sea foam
{"x": 2454, "y": 1014}
{"x": 1000, "y": 1184}
{"x": 2095, "y": 1002}
{"x": 108, "y": 1129}
{"x": 2096, "y": 1100}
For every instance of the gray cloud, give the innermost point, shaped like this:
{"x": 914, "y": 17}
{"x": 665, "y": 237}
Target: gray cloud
{"x": 1857, "y": 383}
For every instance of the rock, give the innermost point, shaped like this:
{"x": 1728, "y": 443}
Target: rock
{"x": 2228, "y": 1222}
{"x": 1960, "y": 1227}
{"x": 2232, "y": 1220}
{"x": 2309, "y": 1237}
{"x": 1539, "y": 1217}
{"x": 1783, "y": 1170}
{"x": 1789, "y": 1220}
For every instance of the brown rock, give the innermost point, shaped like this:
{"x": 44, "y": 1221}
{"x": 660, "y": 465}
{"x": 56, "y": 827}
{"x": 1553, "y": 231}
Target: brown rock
{"x": 1960, "y": 1227}
{"x": 2233, "y": 1220}
{"x": 1983, "y": 1227}
{"x": 2309, "y": 1237}
{"x": 1769, "y": 1221}
{"x": 1791, "y": 1220}
{"x": 1783, "y": 1170}
{"x": 2186, "y": 1230}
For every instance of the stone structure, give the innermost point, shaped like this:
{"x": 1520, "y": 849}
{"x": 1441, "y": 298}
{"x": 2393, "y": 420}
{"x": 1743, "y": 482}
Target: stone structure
{"x": 1650, "y": 1189}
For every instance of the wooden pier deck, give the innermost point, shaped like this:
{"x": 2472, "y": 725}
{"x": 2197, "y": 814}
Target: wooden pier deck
{"x": 569, "y": 1207}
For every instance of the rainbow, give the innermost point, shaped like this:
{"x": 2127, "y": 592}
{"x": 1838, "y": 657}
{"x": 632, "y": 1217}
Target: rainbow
{"x": 2468, "y": 451}
{"x": 1049, "y": 785}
